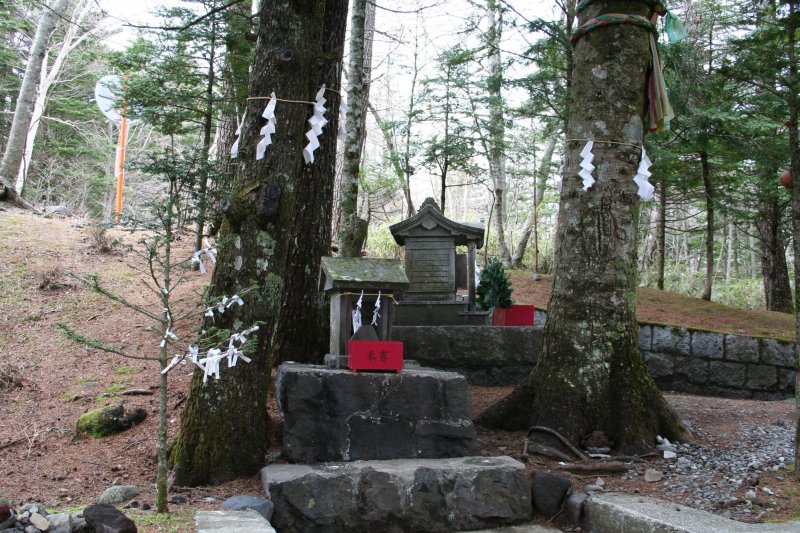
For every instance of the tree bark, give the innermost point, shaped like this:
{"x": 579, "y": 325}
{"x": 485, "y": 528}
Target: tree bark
{"x": 708, "y": 191}
{"x": 590, "y": 375}
{"x": 15, "y": 145}
{"x": 357, "y": 95}
{"x": 662, "y": 232}
{"x": 270, "y": 240}
{"x": 497, "y": 149}
{"x": 775, "y": 272}
{"x": 539, "y": 185}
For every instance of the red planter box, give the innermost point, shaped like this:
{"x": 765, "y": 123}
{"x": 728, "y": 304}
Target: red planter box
{"x": 516, "y": 315}
{"x": 375, "y": 355}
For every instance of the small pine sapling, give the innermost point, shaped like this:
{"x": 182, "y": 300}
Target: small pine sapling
{"x": 494, "y": 289}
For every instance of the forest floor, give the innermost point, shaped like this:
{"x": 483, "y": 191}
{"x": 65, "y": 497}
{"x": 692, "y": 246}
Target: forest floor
{"x": 47, "y": 381}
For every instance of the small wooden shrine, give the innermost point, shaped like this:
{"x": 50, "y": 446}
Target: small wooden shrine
{"x": 430, "y": 241}
{"x": 348, "y": 279}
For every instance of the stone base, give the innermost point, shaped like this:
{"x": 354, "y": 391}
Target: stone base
{"x": 432, "y": 495}
{"x": 438, "y": 314}
{"x": 338, "y": 415}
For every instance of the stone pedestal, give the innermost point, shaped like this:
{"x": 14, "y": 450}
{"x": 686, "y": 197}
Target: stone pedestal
{"x": 431, "y": 495}
{"x": 338, "y": 415}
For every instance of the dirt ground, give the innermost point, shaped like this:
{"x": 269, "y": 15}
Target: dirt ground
{"x": 47, "y": 381}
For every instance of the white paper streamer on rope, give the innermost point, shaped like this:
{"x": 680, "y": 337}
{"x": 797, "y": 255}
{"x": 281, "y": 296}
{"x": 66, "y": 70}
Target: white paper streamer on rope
{"x": 235, "y": 147}
{"x": 269, "y": 127}
{"x": 197, "y": 258}
{"x": 376, "y": 314}
{"x": 357, "y": 313}
{"x": 645, "y": 188}
{"x": 342, "y": 118}
{"x": 586, "y": 165}
{"x": 317, "y": 122}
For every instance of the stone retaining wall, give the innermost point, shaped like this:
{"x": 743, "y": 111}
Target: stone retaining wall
{"x": 702, "y": 362}
{"x": 680, "y": 359}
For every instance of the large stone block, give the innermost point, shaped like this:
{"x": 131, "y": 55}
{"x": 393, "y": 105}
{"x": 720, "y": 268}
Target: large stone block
{"x": 660, "y": 365}
{"x": 338, "y": 415}
{"x": 708, "y": 345}
{"x": 728, "y": 374}
{"x": 761, "y": 377}
{"x": 786, "y": 378}
{"x": 744, "y": 349}
{"x": 645, "y": 338}
{"x": 435, "y": 495}
{"x": 695, "y": 370}
{"x": 775, "y": 352}
{"x": 671, "y": 340}
{"x": 475, "y": 351}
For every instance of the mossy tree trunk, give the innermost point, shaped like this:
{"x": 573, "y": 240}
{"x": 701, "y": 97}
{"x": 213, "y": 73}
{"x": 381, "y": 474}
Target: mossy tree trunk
{"x": 590, "y": 375}
{"x": 276, "y": 222}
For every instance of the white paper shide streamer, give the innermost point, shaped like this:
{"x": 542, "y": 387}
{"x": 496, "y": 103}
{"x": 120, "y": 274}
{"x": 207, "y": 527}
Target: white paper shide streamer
{"x": 376, "y": 314}
{"x": 269, "y": 127}
{"x": 317, "y": 122}
{"x": 645, "y": 188}
{"x": 357, "y": 313}
{"x": 586, "y": 165}
{"x": 235, "y": 147}
{"x": 197, "y": 258}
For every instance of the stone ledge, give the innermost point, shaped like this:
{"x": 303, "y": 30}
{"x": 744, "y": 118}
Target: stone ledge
{"x": 435, "y": 495}
{"x": 625, "y": 513}
{"x": 231, "y": 522}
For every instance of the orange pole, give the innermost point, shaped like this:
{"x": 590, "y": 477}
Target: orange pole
{"x": 119, "y": 163}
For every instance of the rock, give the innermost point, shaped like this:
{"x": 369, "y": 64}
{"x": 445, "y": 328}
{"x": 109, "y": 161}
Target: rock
{"x": 548, "y": 492}
{"x": 237, "y": 503}
{"x": 651, "y": 475}
{"x": 593, "y": 488}
{"x": 432, "y": 495}
{"x": 574, "y": 507}
{"x": 118, "y": 494}
{"x": 599, "y": 451}
{"x": 107, "y": 519}
{"x": 59, "y": 523}
{"x": 669, "y": 454}
{"x": 108, "y": 420}
{"x": 79, "y": 525}
{"x": 177, "y": 499}
{"x": 600, "y": 481}
{"x": 338, "y": 415}
{"x": 40, "y": 522}
{"x": 7, "y": 517}
{"x": 57, "y": 210}
{"x": 145, "y": 506}
{"x": 31, "y": 529}
{"x": 750, "y": 495}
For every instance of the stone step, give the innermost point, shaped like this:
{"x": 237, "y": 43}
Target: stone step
{"x": 431, "y": 495}
{"x": 624, "y": 513}
{"x": 248, "y": 521}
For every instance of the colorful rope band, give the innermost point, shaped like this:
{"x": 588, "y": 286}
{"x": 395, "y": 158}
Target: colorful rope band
{"x": 611, "y": 19}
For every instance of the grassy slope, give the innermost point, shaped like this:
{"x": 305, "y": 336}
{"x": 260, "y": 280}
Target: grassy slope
{"x": 669, "y": 308}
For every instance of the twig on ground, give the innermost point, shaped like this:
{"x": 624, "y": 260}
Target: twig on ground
{"x": 541, "y": 449}
{"x": 609, "y": 467}
{"x": 12, "y": 442}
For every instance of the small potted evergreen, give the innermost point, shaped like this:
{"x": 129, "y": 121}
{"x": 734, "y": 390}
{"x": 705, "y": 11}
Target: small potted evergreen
{"x": 494, "y": 294}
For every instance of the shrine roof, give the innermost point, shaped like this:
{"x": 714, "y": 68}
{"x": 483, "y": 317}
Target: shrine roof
{"x": 429, "y": 218}
{"x": 356, "y": 273}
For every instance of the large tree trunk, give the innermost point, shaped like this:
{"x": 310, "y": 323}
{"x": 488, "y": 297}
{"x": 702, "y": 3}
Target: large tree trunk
{"x": 538, "y": 195}
{"x": 590, "y": 375}
{"x": 777, "y": 292}
{"x": 15, "y": 145}
{"x": 279, "y": 205}
{"x": 357, "y": 95}
{"x": 497, "y": 148}
{"x": 708, "y": 190}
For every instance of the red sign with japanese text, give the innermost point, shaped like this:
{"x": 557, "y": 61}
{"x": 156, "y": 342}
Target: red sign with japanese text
{"x": 375, "y": 355}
